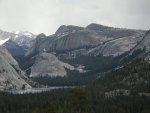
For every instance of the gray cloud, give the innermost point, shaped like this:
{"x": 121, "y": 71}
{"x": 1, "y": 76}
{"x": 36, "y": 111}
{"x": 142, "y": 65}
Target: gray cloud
{"x": 47, "y": 15}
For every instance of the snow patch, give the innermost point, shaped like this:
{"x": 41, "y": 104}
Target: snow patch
{"x": 28, "y": 35}
{"x": 17, "y": 32}
{"x": 3, "y": 41}
{"x": 16, "y": 37}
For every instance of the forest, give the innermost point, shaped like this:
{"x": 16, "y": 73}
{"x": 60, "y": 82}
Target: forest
{"x": 134, "y": 77}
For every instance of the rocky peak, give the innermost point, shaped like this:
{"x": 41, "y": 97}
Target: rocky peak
{"x": 42, "y": 35}
{"x": 95, "y": 26}
{"x": 5, "y": 35}
{"x": 62, "y": 30}
{"x": 47, "y": 64}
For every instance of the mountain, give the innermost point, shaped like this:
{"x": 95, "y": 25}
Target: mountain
{"x": 14, "y": 48}
{"x": 16, "y": 43}
{"x": 75, "y": 50}
{"x": 64, "y": 30}
{"x": 3, "y": 41}
{"x": 23, "y": 39}
{"x": 125, "y": 90}
{"x": 114, "y": 62}
{"x": 144, "y": 43}
{"x": 47, "y": 64}
{"x": 95, "y": 47}
{"x": 69, "y": 38}
{"x": 132, "y": 79}
{"x": 5, "y": 36}
{"x": 117, "y": 47}
{"x": 11, "y": 76}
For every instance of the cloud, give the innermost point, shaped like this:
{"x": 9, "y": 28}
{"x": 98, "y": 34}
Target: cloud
{"x": 47, "y": 15}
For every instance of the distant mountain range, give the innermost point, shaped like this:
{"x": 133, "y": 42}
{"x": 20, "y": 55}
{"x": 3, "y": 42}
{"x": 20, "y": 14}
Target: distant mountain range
{"x": 94, "y": 39}
{"x": 16, "y": 43}
{"x": 73, "y": 54}
{"x": 95, "y": 47}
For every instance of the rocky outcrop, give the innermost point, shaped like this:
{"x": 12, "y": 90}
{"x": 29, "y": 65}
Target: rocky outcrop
{"x": 47, "y": 64}
{"x": 11, "y": 76}
{"x": 93, "y": 38}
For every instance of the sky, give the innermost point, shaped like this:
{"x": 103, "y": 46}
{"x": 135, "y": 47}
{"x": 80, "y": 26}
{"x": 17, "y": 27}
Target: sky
{"x": 45, "y": 16}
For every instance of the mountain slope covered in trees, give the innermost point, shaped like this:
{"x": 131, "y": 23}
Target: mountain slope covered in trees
{"x": 94, "y": 98}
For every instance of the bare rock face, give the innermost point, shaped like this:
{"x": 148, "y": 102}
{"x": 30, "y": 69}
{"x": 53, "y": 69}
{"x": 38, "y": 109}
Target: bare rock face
{"x": 94, "y": 36}
{"x": 116, "y": 47}
{"x": 11, "y": 76}
{"x": 73, "y": 43}
{"x": 47, "y": 64}
{"x": 64, "y": 30}
{"x": 8, "y": 56}
{"x": 144, "y": 43}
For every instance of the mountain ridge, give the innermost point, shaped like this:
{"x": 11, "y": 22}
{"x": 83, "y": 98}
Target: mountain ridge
{"x": 91, "y": 49}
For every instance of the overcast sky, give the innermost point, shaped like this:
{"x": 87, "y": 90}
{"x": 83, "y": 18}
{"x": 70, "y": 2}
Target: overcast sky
{"x": 46, "y": 16}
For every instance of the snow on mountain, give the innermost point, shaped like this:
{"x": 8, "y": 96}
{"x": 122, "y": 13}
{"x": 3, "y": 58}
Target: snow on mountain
{"x": 17, "y": 42}
{"x": 23, "y": 38}
{"x": 3, "y": 41}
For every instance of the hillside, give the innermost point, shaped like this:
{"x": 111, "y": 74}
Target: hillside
{"x": 89, "y": 50}
{"x": 11, "y": 76}
{"x": 126, "y": 90}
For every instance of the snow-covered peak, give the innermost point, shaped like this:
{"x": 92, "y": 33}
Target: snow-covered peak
{"x": 16, "y": 32}
{"x": 23, "y": 38}
{"x": 29, "y": 35}
{"x": 24, "y": 33}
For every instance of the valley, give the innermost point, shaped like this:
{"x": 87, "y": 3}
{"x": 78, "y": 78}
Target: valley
{"x": 93, "y": 69}
{"x": 74, "y": 56}
{"x": 36, "y": 90}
